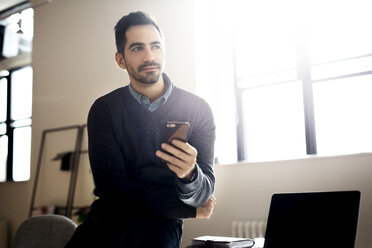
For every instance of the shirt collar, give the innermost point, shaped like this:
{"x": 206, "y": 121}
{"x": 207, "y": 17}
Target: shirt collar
{"x": 143, "y": 100}
{"x": 134, "y": 93}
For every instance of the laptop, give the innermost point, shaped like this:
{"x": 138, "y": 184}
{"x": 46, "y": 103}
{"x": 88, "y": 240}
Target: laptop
{"x": 314, "y": 219}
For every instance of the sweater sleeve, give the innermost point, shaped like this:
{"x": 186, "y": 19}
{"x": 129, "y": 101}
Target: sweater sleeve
{"x": 111, "y": 177}
{"x": 199, "y": 190}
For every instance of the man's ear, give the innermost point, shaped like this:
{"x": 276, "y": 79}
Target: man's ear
{"x": 120, "y": 60}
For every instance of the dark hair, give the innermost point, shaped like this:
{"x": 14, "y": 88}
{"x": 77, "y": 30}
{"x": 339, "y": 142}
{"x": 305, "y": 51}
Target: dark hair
{"x": 128, "y": 21}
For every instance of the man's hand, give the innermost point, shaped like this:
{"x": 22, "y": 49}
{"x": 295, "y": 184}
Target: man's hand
{"x": 205, "y": 211}
{"x": 182, "y": 158}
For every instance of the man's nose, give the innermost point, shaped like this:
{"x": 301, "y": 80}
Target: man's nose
{"x": 149, "y": 56}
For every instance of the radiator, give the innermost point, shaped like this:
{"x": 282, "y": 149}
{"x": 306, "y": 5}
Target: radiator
{"x": 248, "y": 229}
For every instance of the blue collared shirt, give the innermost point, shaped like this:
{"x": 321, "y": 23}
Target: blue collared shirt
{"x": 145, "y": 102}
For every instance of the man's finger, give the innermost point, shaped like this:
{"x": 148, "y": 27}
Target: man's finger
{"x": 174, "y": 168}
{"x": 175, "y": 151}
{"x": 179, "y": 153}
{"x": 186, "y": 147}
{"x": 169, "y": 158}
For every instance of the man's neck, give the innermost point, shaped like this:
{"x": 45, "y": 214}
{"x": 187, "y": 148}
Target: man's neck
{"x": 151, "y": 91}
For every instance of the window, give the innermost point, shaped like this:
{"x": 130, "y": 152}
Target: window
{"x": 300, "y": 72}
{"x": 16, "y": 34}
{"x": 15, "y": 96}
{"x": 15, "y": 124}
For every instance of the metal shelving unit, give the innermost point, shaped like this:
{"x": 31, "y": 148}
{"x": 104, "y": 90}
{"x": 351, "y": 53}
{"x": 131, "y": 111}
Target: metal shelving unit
{"x": 74, "y": 169}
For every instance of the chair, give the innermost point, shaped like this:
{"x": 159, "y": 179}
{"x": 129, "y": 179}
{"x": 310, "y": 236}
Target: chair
{"x": 44, "y": 231}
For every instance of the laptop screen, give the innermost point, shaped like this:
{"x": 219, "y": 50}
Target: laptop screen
{"x": 316, "y": 219}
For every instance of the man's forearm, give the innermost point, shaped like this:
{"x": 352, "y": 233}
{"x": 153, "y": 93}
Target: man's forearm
{"x": 197, "y": 192}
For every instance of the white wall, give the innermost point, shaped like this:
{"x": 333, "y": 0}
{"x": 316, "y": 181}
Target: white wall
{"x": 244, "y": 190}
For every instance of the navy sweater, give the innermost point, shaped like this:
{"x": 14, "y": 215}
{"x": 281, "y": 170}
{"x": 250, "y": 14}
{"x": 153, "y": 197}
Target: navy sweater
{"x": 130, "y": 180}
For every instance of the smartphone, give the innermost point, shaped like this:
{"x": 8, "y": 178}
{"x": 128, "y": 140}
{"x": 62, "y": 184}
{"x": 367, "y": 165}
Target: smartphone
{"x": 176, "y": 130}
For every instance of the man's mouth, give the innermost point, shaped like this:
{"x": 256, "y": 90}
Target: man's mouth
{"x": 149, "y": 67}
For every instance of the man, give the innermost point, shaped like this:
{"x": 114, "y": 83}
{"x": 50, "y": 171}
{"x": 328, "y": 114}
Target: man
{"x": 146, "y": 187}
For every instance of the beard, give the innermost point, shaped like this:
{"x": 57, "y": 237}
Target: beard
{"x": 150, "y": 77}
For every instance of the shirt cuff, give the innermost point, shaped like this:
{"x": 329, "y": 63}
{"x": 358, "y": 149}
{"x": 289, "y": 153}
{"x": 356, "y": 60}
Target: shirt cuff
{"x": 186, "y": 188}
{"x": 192, "y": 178}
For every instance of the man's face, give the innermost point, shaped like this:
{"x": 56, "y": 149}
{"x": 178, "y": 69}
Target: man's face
{"x": 143, "y": 54}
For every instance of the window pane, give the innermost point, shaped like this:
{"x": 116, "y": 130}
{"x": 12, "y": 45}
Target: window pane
{"x": 3, "y": 99}
{"x": 274, "y": 122}
{"x": 10, "y": 42}
{"x": 27, "y": 25}
{"x": 21, "y": 93}
{"x": 3, "y": 157}
{"x": 340, "y": 30}
{"x": 2, "y": 128}
{"x": 264, "y": 43}
{"x": 21, "y": 154}
{"x": 343, "y": 115}
{"x": 4, "y": 73}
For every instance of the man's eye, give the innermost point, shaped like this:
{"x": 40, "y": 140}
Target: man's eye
{"x": 136, "y": 49}
{"x": 156, "y": 47}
